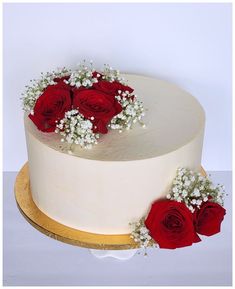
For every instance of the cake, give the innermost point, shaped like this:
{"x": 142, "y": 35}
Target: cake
{"x": 103, "y": 189}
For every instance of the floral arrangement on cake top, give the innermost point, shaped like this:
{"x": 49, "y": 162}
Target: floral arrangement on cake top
{"x": 193, "y": 207}
{"x": 82, "y": 104}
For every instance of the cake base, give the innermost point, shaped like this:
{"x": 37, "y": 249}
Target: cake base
{"x": 60, "y": 232}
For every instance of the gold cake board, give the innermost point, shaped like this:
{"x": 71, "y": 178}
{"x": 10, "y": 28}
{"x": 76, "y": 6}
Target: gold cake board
{"x": 60, "y": 232}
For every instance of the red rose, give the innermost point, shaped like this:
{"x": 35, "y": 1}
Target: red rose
{"x": 99, "y": 105}
{"x": 170, "y": 224}
{"x": 111, "y": 87}
{"x": 51, "y": 106}
{"x": 208, "y": 218}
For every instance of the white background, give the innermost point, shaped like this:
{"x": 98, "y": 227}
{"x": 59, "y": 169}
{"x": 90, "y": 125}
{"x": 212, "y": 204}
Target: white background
{"x": 188, "y": 44}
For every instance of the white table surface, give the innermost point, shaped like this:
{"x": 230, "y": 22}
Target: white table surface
{"x": 31, "y": 258}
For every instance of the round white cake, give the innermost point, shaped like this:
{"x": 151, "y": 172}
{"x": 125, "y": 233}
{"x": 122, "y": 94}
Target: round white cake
{"x": 103, "y": 189}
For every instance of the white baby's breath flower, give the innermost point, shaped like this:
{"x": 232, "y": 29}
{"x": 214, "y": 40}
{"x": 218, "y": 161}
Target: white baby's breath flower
{"x": 140, "y": 234}
{"x": 194, "y": 201}
{"x": 191, "y": 208}
{"x": 192, "y": 179}
{"x": 132, "y": 112}
{"x": 194, "y": 190}
{"x": 187, "y": 183}
{"x": 199, "y": 202}
{"x": 184, "y": 193}
{"x": 76, "y": 129}
{"x": 180, "y": 173}
{"x": 83, "y": 76}
{"x": 179, "y": 199}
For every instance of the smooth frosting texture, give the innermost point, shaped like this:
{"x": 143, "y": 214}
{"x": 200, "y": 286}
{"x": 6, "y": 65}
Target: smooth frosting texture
{"x": 103, "y": 189}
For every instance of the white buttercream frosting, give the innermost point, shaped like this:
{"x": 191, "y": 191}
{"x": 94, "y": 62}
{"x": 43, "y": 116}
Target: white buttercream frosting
{"x": 103, "y": 189}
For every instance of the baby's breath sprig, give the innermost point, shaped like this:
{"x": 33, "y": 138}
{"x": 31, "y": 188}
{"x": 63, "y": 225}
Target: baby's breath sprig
{"x": 132, "y": 112}
{"x": 111, "y": 74}
{"x": 37, "y": 87}
{"x": 193, "y": 189}
{"x": 140, "y": 234}
{"x": 75, "y": 129}
{"x": 83, "y": 76}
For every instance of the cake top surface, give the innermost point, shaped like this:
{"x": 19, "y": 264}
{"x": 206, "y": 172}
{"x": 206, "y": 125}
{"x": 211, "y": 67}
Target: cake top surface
{"x": 173, "y": 118}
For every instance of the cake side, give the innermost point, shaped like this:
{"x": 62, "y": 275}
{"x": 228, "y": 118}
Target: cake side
{"x": 98, "y": 196}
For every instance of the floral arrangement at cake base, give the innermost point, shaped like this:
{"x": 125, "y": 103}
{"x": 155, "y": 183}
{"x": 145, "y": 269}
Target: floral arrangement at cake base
{"x": 83, "y": 104}
{"x": 193, "y": 207}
